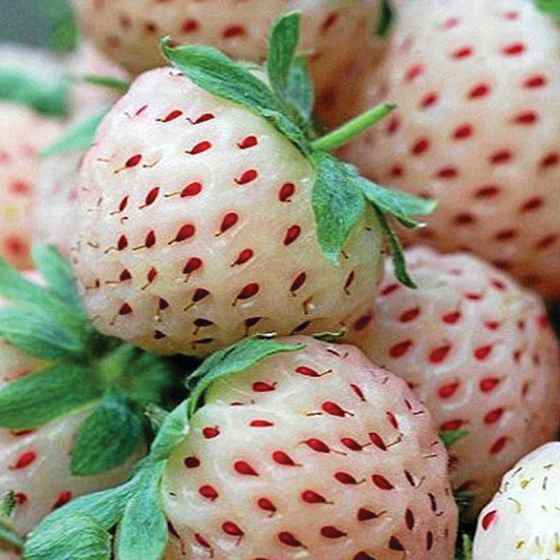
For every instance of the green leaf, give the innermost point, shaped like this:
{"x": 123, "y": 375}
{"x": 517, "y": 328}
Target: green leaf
{"x": 399, "y": 204}
{"x": 234, "y": 359}
{"x": 107, "y": 438}
{"x": 465, "y": 547}
{"x": 58, "y": 273}
{"x": 301, "y": 92}
{"x": 219, "y": 75}
{"x": 451, "y": 437}
{"x": 78, "y": 138}
{"x": 64, "y": 34}
{"x": 75, "y": 536}
{"x": 9, "y": 536}
{"x": 282, "y": 46}
{"x": 7, "y": 504}
{"x": 386, "y": 19}
{"x": 38, "y": 398}
{"x": 551, "y": 7}
{"x": 174, "y": 429}
{"x": 338, "y": 204}
{"x": 397, "y": 253}
{"x": 49, "y": 98}
{"x": 39, "y": 336}
{"x": 25, "y": 294}
{"x": 143, "y": 530}
{"x": 108, "y": 82}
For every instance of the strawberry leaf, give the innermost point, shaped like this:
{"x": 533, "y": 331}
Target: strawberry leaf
{"x": 107, "y": 438}
{"x": 229, "y": 361}
{"x": 143, "y": 531}
{"x": 41, "y": 397}
{"x": 338, "y": 204}
{"x": 282, "y": 45}
{"x": 76, "y": 536}
{"x": 451, "y": 437}
{"x": 59, "y": 275}
{"x": 78, "y": 138}
{"x": 44, "y": 97}
{"x": 397, "y": 253}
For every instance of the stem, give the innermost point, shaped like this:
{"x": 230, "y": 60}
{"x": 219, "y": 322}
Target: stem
{"x": 348, "y": 131}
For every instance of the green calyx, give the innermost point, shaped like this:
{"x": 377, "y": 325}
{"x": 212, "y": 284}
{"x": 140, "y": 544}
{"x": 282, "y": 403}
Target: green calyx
{"x": 48, "y": 98}
{"x": 451, "y": 437}
{"x": 77, "y": 368}
{"x": 135, "y": 509}
{"x": 340, "y": 196}
{"x": 550, "y": 7}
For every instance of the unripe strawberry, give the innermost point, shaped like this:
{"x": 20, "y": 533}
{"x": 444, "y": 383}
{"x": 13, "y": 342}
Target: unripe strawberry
{"x": 476, "y": 84}
{"x": 310, "y": 454}
{"x": 521, "y": 521}
{"x": 479, "y": 351}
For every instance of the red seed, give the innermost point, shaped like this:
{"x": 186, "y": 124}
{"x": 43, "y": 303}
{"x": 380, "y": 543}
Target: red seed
{"x": 150, "y": 240}
{"x": 489, "y": 519}
{"x": 333, "y": 409}
{"x": 63, "y": 498}
{"x": 248, "y": 142}
{"x": 211, "y": 432}
{"x": 307, "y": 371}
{"x": 283, "y": 459}
{"x": 451, "y": 425}
{"x": 133, "y": 161}
{"x": 191, "y": 190}
{"x": 393, "y": 420}
{"x": 229, "y": 221}
{"x": 488, "y": 384}
{"x": 288, "y": 539}
{"x": 203, "y": 118}
{"x": 463, "y": 52}
{"x": 233, "y": 31}
{"x": 190, "y": 26}
{"x": 376, "y": 439}
{"x": 365, "y": 514}
{"x": 330, "y": 532}
{"x": 193, "y": 264}
{"x": 122, "y": 243}
{"x": 191, "y": 462}
{"x": 493, "y": 416}
{"x": 245, "y": 256}
{"x": 438, "y": 355}
{"x": 381, "y": 482}
{"x": 395, "y": 544}
{"x": 409, "y": 519}
{"x": 230, "y": 528}
{"x": 447, "y": 391}
{"x": 515, "y": 49}
{"x": 298, "y": 282}
{"x": 244, "y": 468}
{"x": 200, "y": 148}
{"x": 400, "y": 349}
{"x": 498, "y": 445}
{"x": 312, "y": 497}
{"x": 263, "y": 387}
{"x": 451, "y": 318}
{"x": 317, "y": 445}
{"x": 249, "y": 291}
{"x": 24, "y": 460}
{"x": 125, "y": 309}
{"x": 351, "y": 444}
{"x": 208, "y": 492}
{"x": 186, "y": 232}
{"x": 358, "y": 392}
{"x": 201, "y": 540}
{"x": 409, "y": 315}
{"x": 292, "y": 234}
{"x": 247, "y": 177}
{"x": 261, "y": 424}
{"x": 345, "y": 478}
{"x": 171, "y": 116}
{"x": 482, "y": 352}
{"x": 286, "y": 192}
{"x": 266, "y": 505}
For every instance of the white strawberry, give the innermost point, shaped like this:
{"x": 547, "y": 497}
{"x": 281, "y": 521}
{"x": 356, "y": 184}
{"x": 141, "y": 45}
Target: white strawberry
{"x": 476, "y": 84}
{"x": 479, "y": 351}
{"x": 26, "y": 133}
{"x": 521, "y": 522}
{"x": 311, "y": 454}
{"x": 197, "y": 227}
{"x": 337, "y": 34}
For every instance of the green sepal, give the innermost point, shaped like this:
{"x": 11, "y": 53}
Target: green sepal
{"x": 64, "y": 34}
{"x": 78, "y": 138}
{"x": 464, "y": 501}
{"x": 143, "y": 530}
{"x": 9, "y": 537}
{"x": 7, "y": 505}
{"x": 338, "y": 204}
{"x": 301, "y": 91}
{"x": 397, "y": 203}
{"x": 397, "y": 252}
{"x": 58, "y": 274}
{"x": 174, "y": 429}
{"x": 451, "y": 437}
{"x": 76, "y": 536}
{"x": 49, "y": 98}
{"x": 282, "y": 46}
{"x": 117, "y": 85}
{"x": 550, "y": 7}
{"x": 107, "y": 438}
{"x": 464, "y": 547}
{"x": 39, "y": 336}
{"x": 229, "y": 361}
{"x": 386, "y": 19}
{"x": 43, "y": 396}
{"x": 218, "y": 74}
